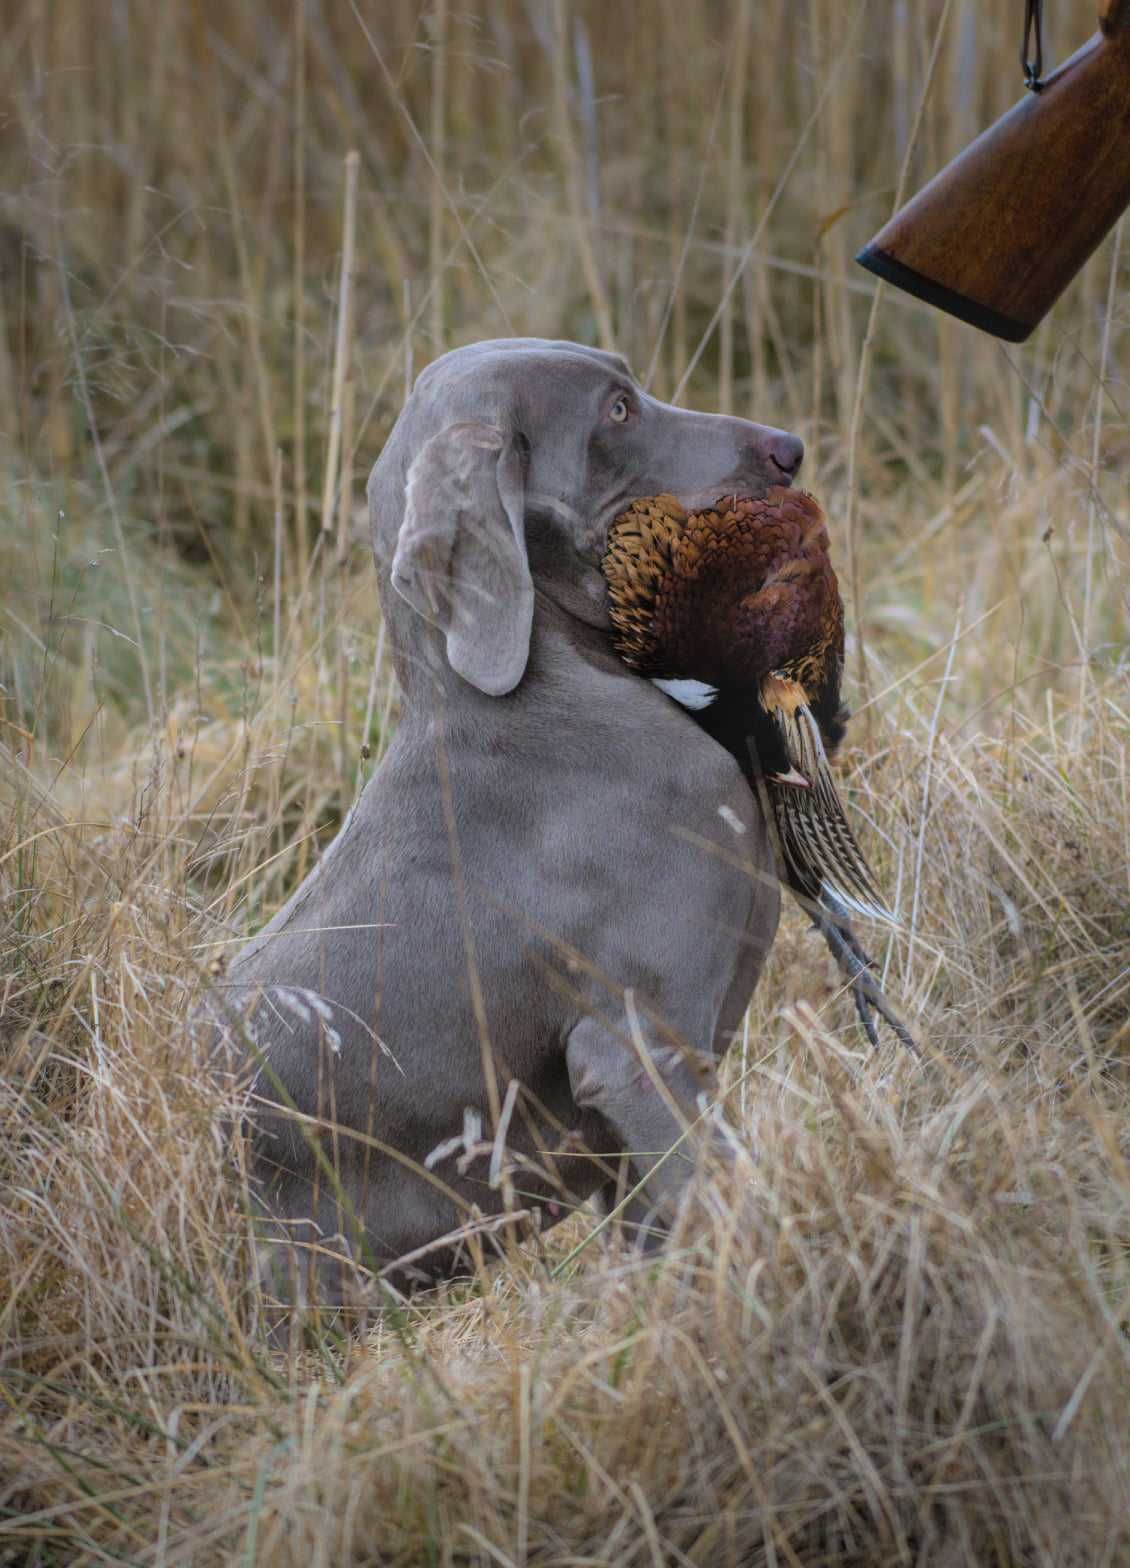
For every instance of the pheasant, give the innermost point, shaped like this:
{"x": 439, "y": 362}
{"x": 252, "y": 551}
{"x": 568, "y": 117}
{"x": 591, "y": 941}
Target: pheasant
{"x": 735, "y": 613}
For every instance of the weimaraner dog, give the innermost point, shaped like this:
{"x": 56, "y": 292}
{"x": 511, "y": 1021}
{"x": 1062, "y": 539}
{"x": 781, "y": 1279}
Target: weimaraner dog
{"x": 515, "y": 968}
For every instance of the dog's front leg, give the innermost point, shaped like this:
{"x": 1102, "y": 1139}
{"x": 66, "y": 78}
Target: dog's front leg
{"x": 650, "y": 1098}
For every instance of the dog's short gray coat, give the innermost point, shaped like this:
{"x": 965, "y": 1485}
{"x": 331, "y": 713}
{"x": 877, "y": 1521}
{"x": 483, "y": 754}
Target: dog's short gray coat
{"x": 552, "y": 863}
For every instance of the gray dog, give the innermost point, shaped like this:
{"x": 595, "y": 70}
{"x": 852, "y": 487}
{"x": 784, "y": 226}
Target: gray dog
{"x": 515, "y": 968}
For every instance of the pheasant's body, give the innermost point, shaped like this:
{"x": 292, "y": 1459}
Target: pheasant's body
{"x": 736, "y": 613}
{"x": 729, "y": 596}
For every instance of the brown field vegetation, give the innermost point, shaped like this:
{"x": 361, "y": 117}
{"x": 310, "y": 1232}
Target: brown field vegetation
{"x": 898, "y": 1335}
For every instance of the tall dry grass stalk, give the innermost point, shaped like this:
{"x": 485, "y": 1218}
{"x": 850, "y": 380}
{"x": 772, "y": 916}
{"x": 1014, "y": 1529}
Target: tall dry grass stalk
{"x": 898, "y": 1332}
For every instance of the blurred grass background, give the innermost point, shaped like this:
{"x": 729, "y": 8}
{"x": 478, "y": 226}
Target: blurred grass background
{"x": 193, "y": 685}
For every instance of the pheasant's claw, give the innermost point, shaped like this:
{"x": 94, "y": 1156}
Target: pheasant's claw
{"x": 856, "y": 966}
{"x": 863, "y": 1008}
{"x": 793, "y": 777}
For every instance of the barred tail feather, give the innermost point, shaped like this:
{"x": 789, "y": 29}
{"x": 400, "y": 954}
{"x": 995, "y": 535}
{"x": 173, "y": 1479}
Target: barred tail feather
{"x": 819, "y": 846}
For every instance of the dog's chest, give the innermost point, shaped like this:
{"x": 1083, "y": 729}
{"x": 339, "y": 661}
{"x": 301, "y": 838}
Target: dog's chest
{"x": 652, "y": 871}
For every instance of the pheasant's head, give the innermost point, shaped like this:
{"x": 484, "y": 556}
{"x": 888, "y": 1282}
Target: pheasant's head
{"x": 725, "y": 596}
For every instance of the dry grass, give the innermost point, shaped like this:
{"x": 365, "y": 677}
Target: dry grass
{"x": 899, "y": 1334}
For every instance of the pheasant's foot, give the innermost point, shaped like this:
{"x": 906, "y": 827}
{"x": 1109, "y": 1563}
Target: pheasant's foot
{"x": 856, "y": 966}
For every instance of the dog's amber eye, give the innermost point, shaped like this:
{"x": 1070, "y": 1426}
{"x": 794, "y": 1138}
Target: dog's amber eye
{"x": 619, "y": 411}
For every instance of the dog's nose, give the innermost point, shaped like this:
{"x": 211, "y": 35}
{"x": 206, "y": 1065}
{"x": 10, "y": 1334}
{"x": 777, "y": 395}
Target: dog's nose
{"x": 786, "y": 453}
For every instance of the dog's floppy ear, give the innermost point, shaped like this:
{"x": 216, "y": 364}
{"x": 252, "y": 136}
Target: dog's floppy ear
{"x": 461, "y": 552}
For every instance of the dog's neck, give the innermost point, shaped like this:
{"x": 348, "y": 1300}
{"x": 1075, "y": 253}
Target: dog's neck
{"x": 572, "y": 671}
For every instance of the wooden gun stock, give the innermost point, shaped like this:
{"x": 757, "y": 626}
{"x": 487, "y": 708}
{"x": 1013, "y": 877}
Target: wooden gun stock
{"x": 998, "y": 235}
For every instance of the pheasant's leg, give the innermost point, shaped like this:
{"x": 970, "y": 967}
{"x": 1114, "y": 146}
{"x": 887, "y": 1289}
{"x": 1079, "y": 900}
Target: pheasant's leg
{"x": 852, "y": 962}
{"x": 856, "y": 966}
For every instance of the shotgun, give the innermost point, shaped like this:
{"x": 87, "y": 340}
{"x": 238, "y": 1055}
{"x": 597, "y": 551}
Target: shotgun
{"x": 996, "y": 237}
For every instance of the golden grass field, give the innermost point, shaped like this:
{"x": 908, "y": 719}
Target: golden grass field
{"x": 899, "y": 1334}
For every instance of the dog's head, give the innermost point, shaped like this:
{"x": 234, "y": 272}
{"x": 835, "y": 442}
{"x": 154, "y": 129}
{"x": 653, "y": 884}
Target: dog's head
{"x": 506, "y": 468}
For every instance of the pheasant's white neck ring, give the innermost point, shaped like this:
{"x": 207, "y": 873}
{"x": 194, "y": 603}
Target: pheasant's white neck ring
{"x": 694, "y": 695}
